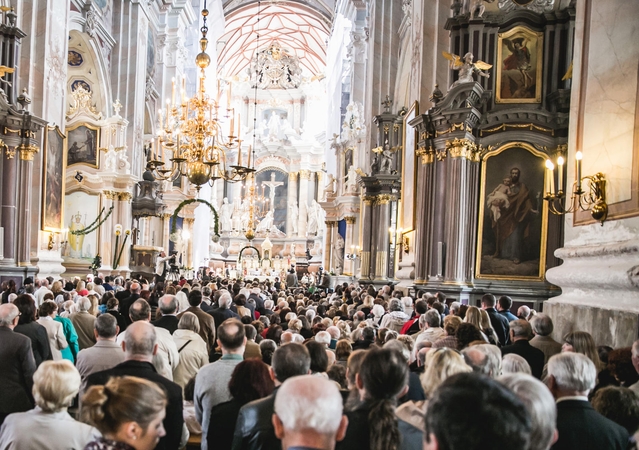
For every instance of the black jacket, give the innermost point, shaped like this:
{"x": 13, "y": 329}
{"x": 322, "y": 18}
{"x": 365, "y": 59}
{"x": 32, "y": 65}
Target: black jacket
{"x": 220, "y": 315}
{"x": 16, "y": 372}
{"x": 580, "y": 427}
{"x": 222, "y": 424}
{"x": 532, "y": 355}
{"x": 174, "y": 419}
{"x": 254, "y": 429}
{"x": 500, "y": 324}
{"x": 39, "y": 341}
{"x": 169, "y": 323}
{"x": 118, "y": 317}
{"x": 126, "y": 304}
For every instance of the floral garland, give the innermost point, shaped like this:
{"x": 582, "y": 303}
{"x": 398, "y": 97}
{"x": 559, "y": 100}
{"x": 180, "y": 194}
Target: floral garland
{"x": 188, "y": 202}
{"x": 239, "y": 256}
{"x": 97, "y": 223}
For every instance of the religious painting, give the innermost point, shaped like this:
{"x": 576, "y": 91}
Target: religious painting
{"x": 82, "y": 144}
{"x": 409, "y": 172}
{"x": 519, "y": 66}
{"x": 512, "y": 214}
{"x": 272, "y": 188}
{"x": 80, "y": 212}
{"x": 53, "y": 179}
{"x": 80, "y": 83}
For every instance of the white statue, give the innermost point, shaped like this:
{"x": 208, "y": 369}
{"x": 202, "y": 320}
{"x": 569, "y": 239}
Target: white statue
{"x": 320, "y": 214}
{"x": 311, "y": 227}
{"x": 294, "y": 213}
{"x": 110, "y": 160}
{"x": 226, "y": 211}
{"x": 338, "y": 254}
{"x": 467, "y": 68}
{"x": 351, "y": 181}
{"x": 266, "y": 223}
{"x": 274, "y": 126}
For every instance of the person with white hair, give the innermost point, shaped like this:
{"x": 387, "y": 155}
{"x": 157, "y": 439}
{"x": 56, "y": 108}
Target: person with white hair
{"x": 542, "y": 327}
{"x": 408, "y": 306}
{"x": 430, "y": 326}
{"x": 84, "y": 323}
{"x": 485, "y": 359}
{"x": 223, "y": 312}
{"x": 571, "y": 376}
{"x": 49, "y": 425}
{"x": 324, "y": 338}
{"x": 539, "y": 403}
{"x": 513, "y": 363}
{"x": 396, "y": 316}
{"x": 335, "y": 335}
{"x": 309, "y": 414}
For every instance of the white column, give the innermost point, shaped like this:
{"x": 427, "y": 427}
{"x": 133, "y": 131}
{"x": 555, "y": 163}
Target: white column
{"x": 292, "y": 197}
{"x": 305, "y": 176}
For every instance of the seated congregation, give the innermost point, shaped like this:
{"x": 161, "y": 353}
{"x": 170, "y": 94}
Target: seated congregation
{"x": 240, "y": 364}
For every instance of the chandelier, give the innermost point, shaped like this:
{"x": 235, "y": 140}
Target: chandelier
{"x": 190, "y": 140}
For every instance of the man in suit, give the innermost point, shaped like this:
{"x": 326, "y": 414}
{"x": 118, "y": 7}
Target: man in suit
{"x": 139, "y": 347}
{"x": 520, "y": 334}
{"x": 127, "y": 302}
{"x": 498, "y": 322}
{"x": 503, "y": 307}
{"x": 291, "y": 279}
{"x": 168, "y": 306}
{"x": 223, "y": 311}
{"x": 252, "y": 349}
{"x": 207, "y": 324}
{"x": 105, "y": 354}
{"x": 254, "y": 428}
{"x": 570, "y": 377}
{"x": 18, "y": 365}
{"x": 84, "y": 324}
{"x": 542, "y": 327}
{"x": 211, "y": 382}
{"x": 122, "y": 293}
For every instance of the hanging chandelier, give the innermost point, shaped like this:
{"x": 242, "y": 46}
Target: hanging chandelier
{"x": 190, "y": 140}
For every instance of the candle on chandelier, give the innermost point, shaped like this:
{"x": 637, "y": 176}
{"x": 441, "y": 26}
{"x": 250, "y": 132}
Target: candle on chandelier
{"x": 217, "y": 100}
{"x": 250, "y": 150}
{"x": 551, "y": 176}
{"x": 232, "y": 124}
{"x": 560, "y": 169}
{"x": 239, "y": 125}
{"x": 578, "y": 157}
{"x": 173, "y": 91}
{"x": 184, "y": 89}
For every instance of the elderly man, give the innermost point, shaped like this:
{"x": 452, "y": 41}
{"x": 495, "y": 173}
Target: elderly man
{"x": 540, "y": 406}
{"x": 168, "y": 305}
{"x": 105, "y": 354}
{"x": 520, "y": 334}
{"x": 223, "y": 312}
{"x": 207, "y": 324}
{"x": 430, "y": 325}
{"x": 139, "y": 347}
{"x": 570, "y": 378}
{"x": 167, "y": 357}
{"x": 484, "y": 359}
{"x": 309, "y": 414}
{"x": 84, "y": 324}
{"x": 542, "y": 327}
{"x": 211, "y": 382}
{"x": 17, "y": 367}
{"x": 469, "y": 398}
{"x": 254, "y": 428}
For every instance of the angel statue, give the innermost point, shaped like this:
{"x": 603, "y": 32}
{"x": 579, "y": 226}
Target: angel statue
{"x": 466, "y": 67}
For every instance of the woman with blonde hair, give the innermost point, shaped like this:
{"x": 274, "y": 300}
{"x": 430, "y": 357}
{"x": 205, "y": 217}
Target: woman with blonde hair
{"x": 128, "y": 411}
{"x": 487, "y": 328}
{"x": 473, "y": 316}
{"x": 49, "y": 425}
{"x": 582, "y": 342}
{"x": 94, "y": 310}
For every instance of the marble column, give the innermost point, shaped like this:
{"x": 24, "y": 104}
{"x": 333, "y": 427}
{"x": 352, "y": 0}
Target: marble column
{"x": 367, "y": 228}
{"x": 166, "y": 231}
{"x": 305, "y": 177}
{"x": 328, "y": 244}
{"x": 321, "y": 195}
{"x": 106, "y": 230}
{"x": 23, "y": 225}
{"x": 349, "y": 245}
{"x": 383, "y": 237}
{"x": 423, "y": 235}
{"x": 292, "y": 197}
{"x": 125, "y": 219}
{"x": 188, "y": 225}
{"x": 9, "y": 200}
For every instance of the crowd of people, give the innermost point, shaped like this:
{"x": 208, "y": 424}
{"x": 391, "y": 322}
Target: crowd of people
{"x": 111, "y": 364}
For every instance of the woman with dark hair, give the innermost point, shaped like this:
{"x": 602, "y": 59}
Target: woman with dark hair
{"x": 250, "y": 381}
{"x": 372, "y": 424}
{"x": 467, "y": 333}
{"x": 28, "y": 326}
{"x": 240, "y": 305}
{"x": 10, "y": 289}
{"x": 306, "y": 331}
{"x": 274, "y": 333}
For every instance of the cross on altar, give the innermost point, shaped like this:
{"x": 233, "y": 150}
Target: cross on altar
{"x": 272, "y": 185}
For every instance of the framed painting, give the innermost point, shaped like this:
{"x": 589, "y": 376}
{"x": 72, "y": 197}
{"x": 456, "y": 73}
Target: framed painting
{"x": 82, "y": 143}
{"x": 52, "y": 214}
{"x": 80, "y": 212}
{"x": 513, "y": 216}
{"x": 409, "y": 172}
{"x": 519, "y": 66}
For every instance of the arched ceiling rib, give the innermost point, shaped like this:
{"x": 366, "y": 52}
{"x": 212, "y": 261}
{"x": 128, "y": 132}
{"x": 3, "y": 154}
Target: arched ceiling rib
{"x": 300, "y": 30}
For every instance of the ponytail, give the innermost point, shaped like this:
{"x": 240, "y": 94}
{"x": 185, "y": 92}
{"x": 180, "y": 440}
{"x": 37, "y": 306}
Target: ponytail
{"x": 384, "y": 433}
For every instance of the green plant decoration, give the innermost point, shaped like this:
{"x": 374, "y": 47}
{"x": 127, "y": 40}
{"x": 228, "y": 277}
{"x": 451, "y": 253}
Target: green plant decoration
{"x": 188, "y": 202}
{"x": 97, "y": 223}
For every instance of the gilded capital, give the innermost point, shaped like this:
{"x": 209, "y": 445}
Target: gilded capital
{"x": 124, "y": 196}
{"x": 292, "y": 176}
{"x": 350, "y": 220}
{"x": 305, "y": 174}
{"x": 383, "y": 199}
{"x": 27, "y": 152}
{"x": 110, "y": 195}
{"x": 369, "y": 199}
{"x": 189, "y": 220}
{"x": 462, "y": 148}
{"x": 330, "y": 223}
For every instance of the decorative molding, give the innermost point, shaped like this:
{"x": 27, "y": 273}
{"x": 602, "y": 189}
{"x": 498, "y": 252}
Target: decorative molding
{"x": 305, "y": 174}
{"x": 384, "y": 199}
{"x": 124, "y": 196}
{"x": 368, "y": 199}
{"x": 350, "y": 220}
{"x": 505, "y": 126}
{"x": 110, "y": 195}
{"x": 427, "y": 156}
{"x": 27, "y": 152}
{"x": 463, "y": 148}
{"x": 82, "y": 102}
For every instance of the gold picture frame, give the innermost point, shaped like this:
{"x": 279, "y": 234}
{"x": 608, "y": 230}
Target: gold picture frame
{"x": 408, "y": 203}
{"x": 53, "y": 179}
{"x": 519, "y": 66}
{"x": 83, "y": 143}
{"x": 513, "y": 247}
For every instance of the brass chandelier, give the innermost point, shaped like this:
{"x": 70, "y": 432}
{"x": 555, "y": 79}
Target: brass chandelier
{"x": 190, "y": 140}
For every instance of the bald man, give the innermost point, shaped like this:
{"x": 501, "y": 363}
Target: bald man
{"x": 140, "y": 345}
{"x": 126, "y": 303}
{"x": 18, "y": 365}
{"x": 309, "y": 413}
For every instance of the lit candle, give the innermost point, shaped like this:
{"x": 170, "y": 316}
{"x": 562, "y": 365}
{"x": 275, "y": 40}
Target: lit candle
{"x": 239, "y": 125}
{"x": 551, "y": 176}
{"x": 173, "y": 91}
{"x": 560, "y": 169}
{"x": 168, "y": 105}
{"x": 579, "y": 156}
{"x": 184, "y": 89}
{"x": 239, "y": 155}
{"x": 217, "y": 100}
{"x": 232, "y": 124}
{"x": 250, "y": 150}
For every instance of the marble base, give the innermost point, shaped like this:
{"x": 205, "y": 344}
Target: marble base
{"x": 49, "y": 263}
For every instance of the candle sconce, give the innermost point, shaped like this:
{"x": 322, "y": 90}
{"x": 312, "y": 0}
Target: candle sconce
{"x": 354, "y": 254}
{"x": 592, "y": 198}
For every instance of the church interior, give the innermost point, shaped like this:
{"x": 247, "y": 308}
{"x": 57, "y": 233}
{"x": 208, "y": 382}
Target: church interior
{"x": 461, "y": 146}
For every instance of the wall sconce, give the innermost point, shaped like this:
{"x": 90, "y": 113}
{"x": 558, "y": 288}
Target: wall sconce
{"x": 354, "y": 254}
{"x": 593, "y": 198}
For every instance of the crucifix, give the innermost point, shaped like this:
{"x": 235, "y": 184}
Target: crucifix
{"x": 272, "y": 185}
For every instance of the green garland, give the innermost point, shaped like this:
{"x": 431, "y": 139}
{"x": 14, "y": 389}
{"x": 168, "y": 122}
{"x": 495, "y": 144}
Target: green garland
{"x": 188, "y": 202}
{"x": 97, "y": 223}
{"x": 239, "y": 256}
